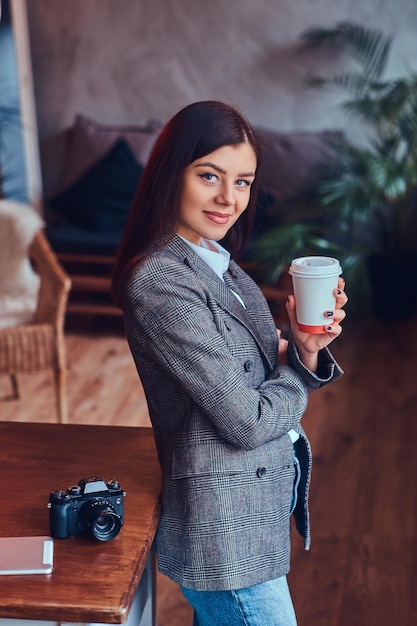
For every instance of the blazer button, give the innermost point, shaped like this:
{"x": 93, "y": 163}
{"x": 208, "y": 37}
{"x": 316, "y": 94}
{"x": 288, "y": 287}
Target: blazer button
{"x": 261, "y": 472}
{"x": 248, "y": 366}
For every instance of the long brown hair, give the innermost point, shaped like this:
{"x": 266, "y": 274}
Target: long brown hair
{"x": 198, "y": 129}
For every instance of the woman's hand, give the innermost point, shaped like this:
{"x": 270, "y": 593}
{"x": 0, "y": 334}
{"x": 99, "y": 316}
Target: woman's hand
{"x": 282, "y": 349}
{"x": 308, "y": 345}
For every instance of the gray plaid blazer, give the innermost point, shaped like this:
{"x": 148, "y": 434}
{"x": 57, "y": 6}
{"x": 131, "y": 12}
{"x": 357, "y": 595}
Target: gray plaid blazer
{"x": 221, "y": 409}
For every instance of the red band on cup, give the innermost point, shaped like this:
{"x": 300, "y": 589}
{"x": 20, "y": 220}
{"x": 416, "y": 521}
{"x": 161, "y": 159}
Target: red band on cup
{"x": 313, "y": 330}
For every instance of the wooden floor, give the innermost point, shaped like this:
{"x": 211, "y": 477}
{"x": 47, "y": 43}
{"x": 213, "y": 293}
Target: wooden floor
{"x": 362, "y": 566}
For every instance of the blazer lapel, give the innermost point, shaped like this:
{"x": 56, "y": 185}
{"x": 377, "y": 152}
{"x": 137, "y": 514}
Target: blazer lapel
{"x": 221, "y": 291}
{"x": 256, "y": 316}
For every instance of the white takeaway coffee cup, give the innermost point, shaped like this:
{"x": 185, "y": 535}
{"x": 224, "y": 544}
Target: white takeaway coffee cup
{"x": 314, "y": 279}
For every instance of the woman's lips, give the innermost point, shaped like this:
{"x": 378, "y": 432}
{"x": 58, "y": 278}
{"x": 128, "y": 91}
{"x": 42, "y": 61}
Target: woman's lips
{"x": 217, "y": 218}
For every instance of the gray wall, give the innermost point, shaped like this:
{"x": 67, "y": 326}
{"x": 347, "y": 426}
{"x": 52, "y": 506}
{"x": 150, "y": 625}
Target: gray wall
{"x": 127, "y": 60}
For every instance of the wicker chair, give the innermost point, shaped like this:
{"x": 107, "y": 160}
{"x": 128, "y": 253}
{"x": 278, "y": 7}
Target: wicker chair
{"x": 40, "y": 345}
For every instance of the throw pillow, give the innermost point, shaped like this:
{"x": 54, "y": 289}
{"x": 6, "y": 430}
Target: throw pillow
{"x": 100, "y": 200}
{"x": 90, "y": 141}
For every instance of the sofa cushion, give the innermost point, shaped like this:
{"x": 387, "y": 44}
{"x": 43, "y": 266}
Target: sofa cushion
{"x": 290, "y": 160}
{"x": 100, "y": 200}
{"x": 69, "y": 238}
{"x": 91, "y": 140}
{"x": 53, "y": 154}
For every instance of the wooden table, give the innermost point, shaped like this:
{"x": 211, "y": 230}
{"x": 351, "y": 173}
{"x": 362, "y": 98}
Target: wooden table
{"x": 92, "y": 581}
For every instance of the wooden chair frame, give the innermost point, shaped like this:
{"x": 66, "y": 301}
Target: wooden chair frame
{"x": 40, "y": 345}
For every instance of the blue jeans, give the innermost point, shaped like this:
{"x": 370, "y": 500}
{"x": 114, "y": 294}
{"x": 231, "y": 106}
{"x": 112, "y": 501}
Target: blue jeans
{"x": 265, "y": 604}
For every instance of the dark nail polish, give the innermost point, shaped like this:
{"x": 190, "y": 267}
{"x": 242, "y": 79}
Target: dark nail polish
{"x": 329, "y": 313}
{"x": 339, "y": 292}
{"x": 328, "y": 328}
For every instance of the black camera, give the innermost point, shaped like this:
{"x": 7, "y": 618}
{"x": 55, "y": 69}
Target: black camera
{"x": 91, "y": 506}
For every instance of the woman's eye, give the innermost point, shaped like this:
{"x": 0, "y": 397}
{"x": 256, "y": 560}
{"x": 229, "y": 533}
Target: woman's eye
{"x": 243, "y": 183}
{"x": 209, "y": 177}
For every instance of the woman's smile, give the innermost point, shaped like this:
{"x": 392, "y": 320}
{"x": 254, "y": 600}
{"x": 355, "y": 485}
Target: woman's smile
{"x": 218, "y": 218}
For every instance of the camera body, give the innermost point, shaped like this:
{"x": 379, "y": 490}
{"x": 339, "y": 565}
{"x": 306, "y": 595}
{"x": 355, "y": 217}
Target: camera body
{"x": 91, "y": 506}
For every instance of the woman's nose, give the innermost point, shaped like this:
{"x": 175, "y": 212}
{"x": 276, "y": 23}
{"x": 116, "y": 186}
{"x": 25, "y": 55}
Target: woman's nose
{"x": 227, "y": 195}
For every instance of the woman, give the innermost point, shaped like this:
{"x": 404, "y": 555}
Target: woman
{"x": 225, "y": 409}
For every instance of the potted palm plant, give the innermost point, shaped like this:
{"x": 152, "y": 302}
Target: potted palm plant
{"x": 365, "y": 205}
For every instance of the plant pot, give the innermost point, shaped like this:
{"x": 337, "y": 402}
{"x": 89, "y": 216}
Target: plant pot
{"x": 393, "y": 286}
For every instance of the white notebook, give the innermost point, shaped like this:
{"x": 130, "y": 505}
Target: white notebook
{"x": 26, "y": 555}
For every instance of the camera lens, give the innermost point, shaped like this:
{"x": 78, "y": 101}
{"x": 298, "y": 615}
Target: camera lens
{"x": 100, "y": 517}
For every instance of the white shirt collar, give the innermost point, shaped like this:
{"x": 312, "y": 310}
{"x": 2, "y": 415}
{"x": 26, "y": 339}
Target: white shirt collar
{"x": 218, "y": 261}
